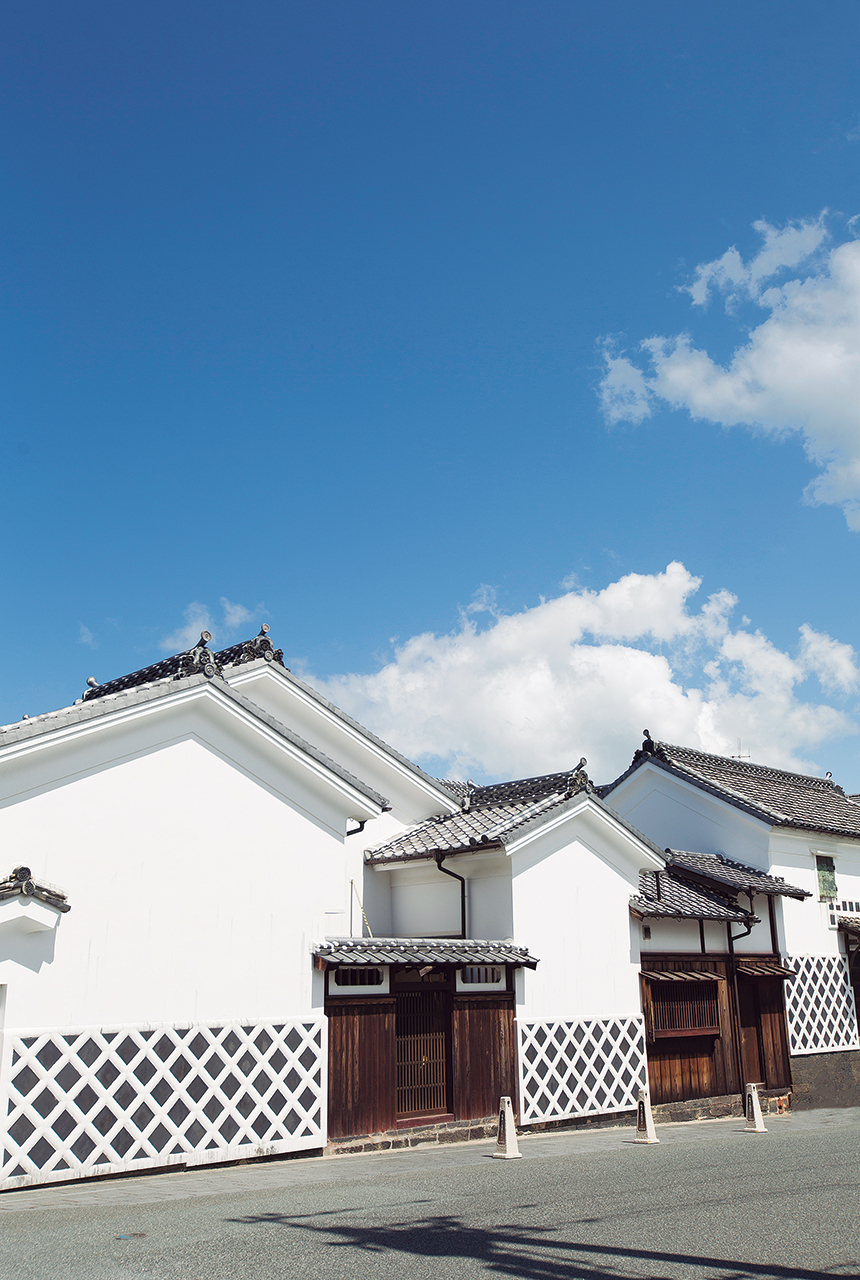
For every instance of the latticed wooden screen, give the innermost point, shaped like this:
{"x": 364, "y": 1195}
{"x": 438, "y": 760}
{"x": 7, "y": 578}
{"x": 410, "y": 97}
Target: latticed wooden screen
{"x": 679, "y": 1010}
{"x": 421, "y": 1035}
{"x": 819, "y": 1004}
{"x": 110, "y": 1100}
{"x": 581, "y": 1068}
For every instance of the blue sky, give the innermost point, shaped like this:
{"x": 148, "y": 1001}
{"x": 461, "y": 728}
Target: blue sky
{"x": 335, "y": 314}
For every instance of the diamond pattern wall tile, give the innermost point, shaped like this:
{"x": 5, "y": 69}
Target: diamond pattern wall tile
{"x": 197, "y": 1094}
{"x": 819, "y": 1004}
{"x": 580, "y": 1068}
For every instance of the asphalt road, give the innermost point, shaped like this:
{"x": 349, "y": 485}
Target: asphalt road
{"x": 709, "y": 1201}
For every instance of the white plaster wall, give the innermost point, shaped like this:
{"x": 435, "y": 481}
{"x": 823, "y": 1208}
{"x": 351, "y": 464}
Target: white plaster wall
{"x": 571, "y": 910}
{"x": 424, "y": 905}
{"x": 759, "y": 941}
{"x": 197, "y": 883}
{"x": 805, "y": 926}
{"x": 673, "y": 935}
{"x": 677, "y": 815}
{"x": 377, "y": 902}
{"x": 285, "y": 698}
{"x": 716, "y": 938}
{"x": 424, "y": 902}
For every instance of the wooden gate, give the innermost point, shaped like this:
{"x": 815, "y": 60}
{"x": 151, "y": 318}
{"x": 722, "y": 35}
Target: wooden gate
{"x": 422, "y": 1020}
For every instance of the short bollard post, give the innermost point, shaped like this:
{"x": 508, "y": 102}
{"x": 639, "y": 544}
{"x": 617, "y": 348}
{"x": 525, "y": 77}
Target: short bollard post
{"x": 645, "y": 1131}
{"x": 506, "y": 1141}
{"x": 754, "y": 1123}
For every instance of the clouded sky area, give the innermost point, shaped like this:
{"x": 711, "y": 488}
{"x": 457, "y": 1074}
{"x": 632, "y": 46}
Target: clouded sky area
{"x": 504, "y": 358}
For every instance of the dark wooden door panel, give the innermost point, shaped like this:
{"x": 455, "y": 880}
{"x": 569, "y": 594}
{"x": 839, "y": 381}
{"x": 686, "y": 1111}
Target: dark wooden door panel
{"x": 361, "y": 1081}
{"x": 485, "y": 1055}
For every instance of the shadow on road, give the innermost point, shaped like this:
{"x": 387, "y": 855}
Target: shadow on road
{"x": 529, "y": 1253}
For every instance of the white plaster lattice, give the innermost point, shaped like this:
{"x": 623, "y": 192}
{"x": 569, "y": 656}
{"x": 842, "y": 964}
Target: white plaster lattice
{"x": 105, "y": 1100}
{"x": 580, "y": 1068}
{"x": 819, "y": 1004}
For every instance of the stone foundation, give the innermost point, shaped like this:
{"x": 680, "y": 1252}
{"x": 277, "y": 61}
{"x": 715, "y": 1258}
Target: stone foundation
{"x": 419, "y": 1136}
{"x": 826, "y": 1080}
{"x": 772, "y": 1103}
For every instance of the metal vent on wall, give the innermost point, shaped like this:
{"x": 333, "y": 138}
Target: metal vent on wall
{"x": 110, "y": 1100}
{"x": 581, "y": 1068}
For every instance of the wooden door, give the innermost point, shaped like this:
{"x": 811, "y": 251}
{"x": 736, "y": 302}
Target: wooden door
{"x": 484, "y": 1055}
{"x": 749, "y": 1017}
{"x": 422, "y": 1032}
{"x": 361, "y": 1067}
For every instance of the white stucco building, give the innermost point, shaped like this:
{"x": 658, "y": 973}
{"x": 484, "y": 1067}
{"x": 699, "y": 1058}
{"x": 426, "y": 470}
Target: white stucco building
{"x": 234, "y": 923}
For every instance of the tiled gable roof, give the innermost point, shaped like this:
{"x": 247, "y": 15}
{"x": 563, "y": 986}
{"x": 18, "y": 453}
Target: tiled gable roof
{"x": 736, "y": 876}
{"x": 81, "y": 712}
{"x": 776, "y": 796}
{"x": 489, "y": 816}
{"x": 662, "y": 894}
{"x": 198, "y": 658}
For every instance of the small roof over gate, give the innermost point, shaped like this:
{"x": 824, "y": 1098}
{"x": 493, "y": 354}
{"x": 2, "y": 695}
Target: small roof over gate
{"x": 682, "y": 975}
{"x": 412, "y": 951}
{"x": 766, "y": 969}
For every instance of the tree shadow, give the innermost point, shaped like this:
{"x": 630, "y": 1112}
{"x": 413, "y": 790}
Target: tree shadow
{"x": 528, "y": 1253}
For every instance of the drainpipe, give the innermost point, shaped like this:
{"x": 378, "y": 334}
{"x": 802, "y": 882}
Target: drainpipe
{"x": 739, "y": 1054}
{"x": 440, "y": 857}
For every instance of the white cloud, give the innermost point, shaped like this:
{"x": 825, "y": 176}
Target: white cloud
{"x": 784, "y": 247}
{"x": 199, "y": 617}
{"x": 796, "y": 372}
{"x": 583, "y": 674}
{"x": 834, "y": 663}
{"x": 85, "y": 636}
{"x": 235, "y": 615}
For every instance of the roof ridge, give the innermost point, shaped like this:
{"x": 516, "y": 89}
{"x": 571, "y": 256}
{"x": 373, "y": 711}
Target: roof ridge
{"x": 743, "y": 765}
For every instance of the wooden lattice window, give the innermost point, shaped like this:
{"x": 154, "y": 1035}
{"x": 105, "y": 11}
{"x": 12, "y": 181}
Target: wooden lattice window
{"x": 482, "y": 974}
{"x": 684, "y": 1009}
{"x": 356, "y": 977}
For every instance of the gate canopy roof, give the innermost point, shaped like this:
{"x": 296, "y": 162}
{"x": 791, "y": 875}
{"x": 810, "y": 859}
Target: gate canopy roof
{"x": 420, "y": 951}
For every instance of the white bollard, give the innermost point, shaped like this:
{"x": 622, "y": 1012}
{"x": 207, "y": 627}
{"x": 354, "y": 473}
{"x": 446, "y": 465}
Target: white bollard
{"x": 754, "y": 1123}
{"x": 506, "y": 1142}
{"x": 645, "y": 1131}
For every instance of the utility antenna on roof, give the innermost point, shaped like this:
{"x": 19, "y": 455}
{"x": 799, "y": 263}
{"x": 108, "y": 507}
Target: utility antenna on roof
{"x": 745, "y": 755}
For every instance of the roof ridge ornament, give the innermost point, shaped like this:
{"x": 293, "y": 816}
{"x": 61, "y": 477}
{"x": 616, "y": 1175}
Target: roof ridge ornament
{"x": 199, "y": 659}
{"x": 649, "y": 748}
{"x": 261, "y": 647}
{"x": 578, "y": 780}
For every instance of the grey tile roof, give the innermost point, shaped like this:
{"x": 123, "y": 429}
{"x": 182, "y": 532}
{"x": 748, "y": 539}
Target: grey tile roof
{"x": 493, "y": 815}
{"x": 737, "y": 877}
{"x": 775, "y": 796}
{"x": 458, "y": 951}
{"x": 184, "y": 664}
{"x": 677, "y": 899}
{"x": 55, "y": 721}
{"x": 474, "y": 829}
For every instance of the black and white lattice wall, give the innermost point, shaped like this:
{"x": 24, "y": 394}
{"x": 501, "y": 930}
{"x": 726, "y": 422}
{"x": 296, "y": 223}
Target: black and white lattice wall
{"x": 115, "y": 1099}
{"x": 580, "y": 1068}
{"x": 819, "y": 1004}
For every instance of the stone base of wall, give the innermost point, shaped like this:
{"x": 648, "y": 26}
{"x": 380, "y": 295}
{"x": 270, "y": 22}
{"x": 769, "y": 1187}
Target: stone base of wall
{"x": 775, "y": 1102}
{"x": 419, "y": 1136}
{"x": 826, "y": 1080}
